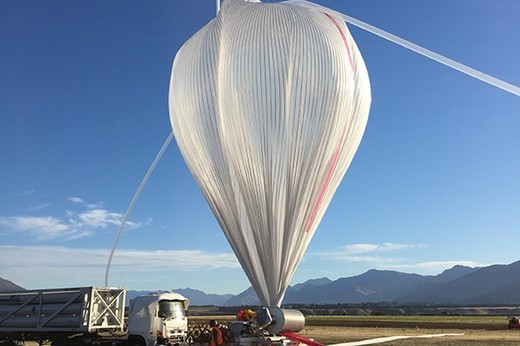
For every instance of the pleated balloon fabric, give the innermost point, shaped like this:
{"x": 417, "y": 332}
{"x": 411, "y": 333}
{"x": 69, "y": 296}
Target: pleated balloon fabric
{"x": 268, "y": 104}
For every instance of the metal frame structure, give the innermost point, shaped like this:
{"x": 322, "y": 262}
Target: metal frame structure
{"x": 82, "y": 309}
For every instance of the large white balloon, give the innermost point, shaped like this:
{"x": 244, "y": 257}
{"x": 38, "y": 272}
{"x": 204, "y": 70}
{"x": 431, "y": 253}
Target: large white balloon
{"x": 268, "y": 104}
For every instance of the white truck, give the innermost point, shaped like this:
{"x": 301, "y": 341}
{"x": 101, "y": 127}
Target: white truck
{"x": 92, "y": 316}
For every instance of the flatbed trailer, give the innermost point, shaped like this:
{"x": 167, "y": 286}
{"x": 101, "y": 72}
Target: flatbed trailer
{"x": 57, "y": 314}
{"x": 92, "y": 316}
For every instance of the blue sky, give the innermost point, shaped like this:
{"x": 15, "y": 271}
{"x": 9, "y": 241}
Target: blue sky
{"x": 84, "y": 110}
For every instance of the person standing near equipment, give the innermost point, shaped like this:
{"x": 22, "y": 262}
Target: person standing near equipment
{"x": 216, "y": 334}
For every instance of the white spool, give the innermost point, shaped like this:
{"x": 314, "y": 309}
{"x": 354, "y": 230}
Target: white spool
{"x": 285, "y": 320}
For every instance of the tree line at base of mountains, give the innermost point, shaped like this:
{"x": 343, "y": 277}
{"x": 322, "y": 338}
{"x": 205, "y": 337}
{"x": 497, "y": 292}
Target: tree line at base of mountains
{"x": 371, "y": 309}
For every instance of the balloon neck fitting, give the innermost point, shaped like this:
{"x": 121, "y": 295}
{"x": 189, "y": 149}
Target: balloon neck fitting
{"x": 275, "y": 320}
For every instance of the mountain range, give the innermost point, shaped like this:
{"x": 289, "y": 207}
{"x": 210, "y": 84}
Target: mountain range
{"x": 495, "y": 284}
{"x": 7, "y": 286}
{"x": 196, "y": 297}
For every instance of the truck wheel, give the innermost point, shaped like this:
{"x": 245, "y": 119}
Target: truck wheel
{"x": 80, "y": 341}
{"x": 8, "y": 343}
{"x": 58, "y": 342}
{"x": 136, "y": 342}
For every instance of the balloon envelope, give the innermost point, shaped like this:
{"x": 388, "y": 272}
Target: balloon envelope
{"x": 268, "y": 104}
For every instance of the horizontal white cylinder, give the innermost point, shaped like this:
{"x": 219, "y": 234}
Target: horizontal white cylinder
{"x": 285, "y": 320}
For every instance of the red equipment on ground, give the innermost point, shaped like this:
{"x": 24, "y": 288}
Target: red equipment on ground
{"x": 301, "y": 339}
{"x": 514, "y": 323}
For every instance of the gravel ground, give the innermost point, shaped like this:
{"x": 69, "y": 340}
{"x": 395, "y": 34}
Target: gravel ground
{"x": 336, "y": 335}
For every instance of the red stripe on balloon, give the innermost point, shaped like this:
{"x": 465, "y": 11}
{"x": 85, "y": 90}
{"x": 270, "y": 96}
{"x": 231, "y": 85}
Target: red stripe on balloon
{"x": 327, "y": 179}
{"x": 344, "y": 37}
{"x": 340, "y": 145}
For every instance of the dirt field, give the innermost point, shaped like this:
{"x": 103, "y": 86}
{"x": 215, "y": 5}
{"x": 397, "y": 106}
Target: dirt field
{"x": 468, "y": 330}
{"x": 335, "y": 335}
{"x": 473, "y": 330}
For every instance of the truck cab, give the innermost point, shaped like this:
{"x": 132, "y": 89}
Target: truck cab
{"x": 158, "y": 319}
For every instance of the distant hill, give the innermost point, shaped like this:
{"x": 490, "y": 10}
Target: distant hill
{"x": 372, "y": 286}
{"x": 196, "y": 297}
{"x": 452, "y": 274}
{"x": 312, "y": 282}
{"x": 492, "y": 285}
{"x": 250, "y": 298}
{"x": 375, "y": 286}
{"x": 460, "y": 285}
{"x": 245, "y": 298}
{"x": 496, "y": 284}
{"x": 7, "y": 286}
